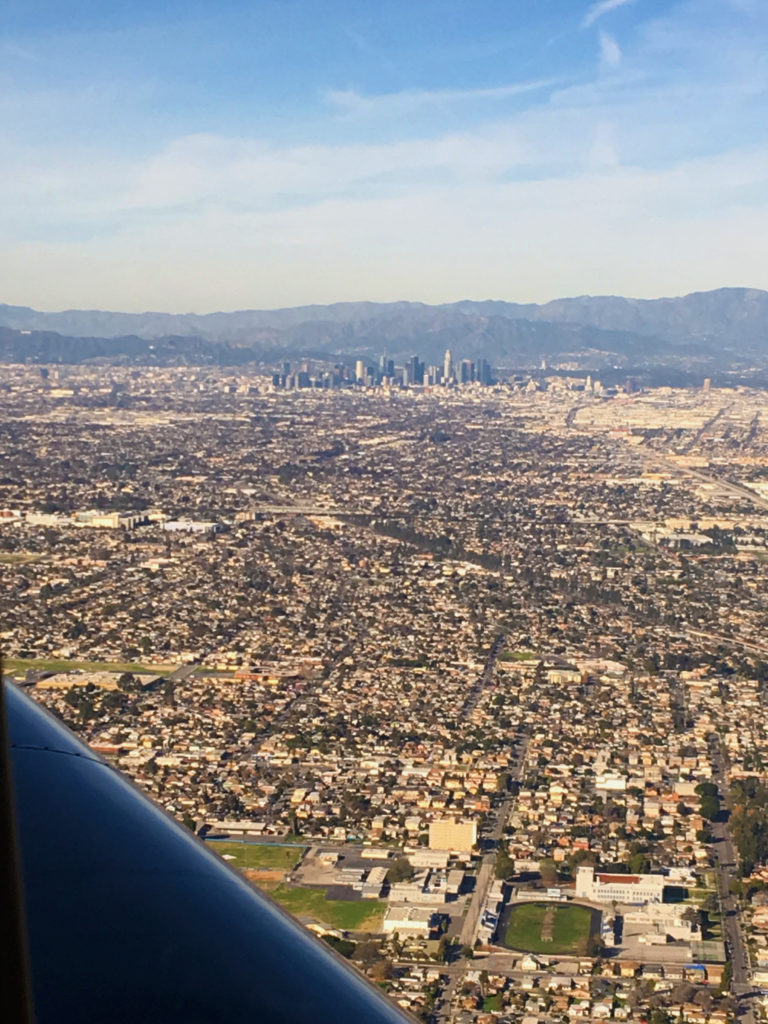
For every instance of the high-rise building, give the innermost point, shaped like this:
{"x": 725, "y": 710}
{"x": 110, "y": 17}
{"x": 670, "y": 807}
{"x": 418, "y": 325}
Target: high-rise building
{"x": 483, "y": 371}
{"x": 415, "y": 370}
{"x": 360, "y": 371}
{"x": 447, "y": 367}
{"x": 449, "y": 834}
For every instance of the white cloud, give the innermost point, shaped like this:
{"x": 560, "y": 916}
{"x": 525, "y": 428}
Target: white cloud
{"x": 606, "y": 229}
{"x": 597, "y": 10}
{"x": 348, "y": 101}
{"x": 610, "y": 52}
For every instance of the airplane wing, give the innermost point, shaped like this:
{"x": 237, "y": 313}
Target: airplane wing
{"x": 130, "y": 918}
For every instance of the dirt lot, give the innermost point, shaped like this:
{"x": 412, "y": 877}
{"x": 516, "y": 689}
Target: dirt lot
{"x": 264, "y": 878}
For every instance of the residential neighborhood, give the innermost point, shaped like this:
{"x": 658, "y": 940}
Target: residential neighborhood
{"x": 470, "y": 679}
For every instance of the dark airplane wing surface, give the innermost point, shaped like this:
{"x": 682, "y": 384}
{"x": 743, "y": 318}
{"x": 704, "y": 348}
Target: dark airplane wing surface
{"x": 129, "y": 917}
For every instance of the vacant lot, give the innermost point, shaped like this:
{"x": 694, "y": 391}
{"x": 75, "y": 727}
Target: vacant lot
{"x": 259, "y": 855}
{"x": 548, "y": 927}
{"x": 348, "y": 915}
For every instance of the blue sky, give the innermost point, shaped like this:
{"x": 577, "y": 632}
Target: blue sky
{"x": 220, "y": 155}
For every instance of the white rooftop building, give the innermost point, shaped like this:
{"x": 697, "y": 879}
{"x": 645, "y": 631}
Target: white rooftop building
{"x": 603, "y": 888}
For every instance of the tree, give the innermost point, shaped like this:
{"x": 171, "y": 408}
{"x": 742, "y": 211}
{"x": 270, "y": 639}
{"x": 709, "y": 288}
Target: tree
{"x": 727, "y": 978}
{"x": 639, "y": 864}
{"x": 709, "y": 807}
{"x": 400, "y": 870}
{"x": 382, "y": 970}
{"x": 86, "y": 711}
{"x": 127, "y": 682}
{"x": 548, "y": 871}
{"x": 367, "y": 951}
{"x": 505, "y": 866}
{"x": 345, "y": 947}
{"x": 704, "y": 999}
{"x": 683, "y": 992}
{"x": 706, "y": 789}
{"x": 590, "y": 945}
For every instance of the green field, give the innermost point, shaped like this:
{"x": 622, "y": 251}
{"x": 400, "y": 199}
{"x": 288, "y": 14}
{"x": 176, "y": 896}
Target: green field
{"x": 347, "y": 915}
{"x": 568, "y": 924}
{"x": 517, "y": 656}
{"x": 60, "y": 665}
{"x": 18, "y": 557}
{"x": 258, "y": 855}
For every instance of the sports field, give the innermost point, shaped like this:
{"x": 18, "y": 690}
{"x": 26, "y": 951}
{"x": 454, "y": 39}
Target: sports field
{"x": 348, "y": 915}
{"x": 258, "y": 855}
{"x": 548, "y": 927}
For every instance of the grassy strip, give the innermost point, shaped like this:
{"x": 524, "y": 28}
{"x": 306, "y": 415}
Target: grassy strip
{"x": 61, "y": 665}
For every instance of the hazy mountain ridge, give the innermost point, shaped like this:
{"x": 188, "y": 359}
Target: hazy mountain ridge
{"x": 717, "y": 327}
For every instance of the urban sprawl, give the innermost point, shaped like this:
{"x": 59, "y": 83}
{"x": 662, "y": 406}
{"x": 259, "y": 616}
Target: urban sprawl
{"x": 469, "y": 674}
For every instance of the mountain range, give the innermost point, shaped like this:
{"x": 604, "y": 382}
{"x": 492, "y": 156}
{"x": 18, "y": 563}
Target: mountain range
{"x": 704, "y": 331}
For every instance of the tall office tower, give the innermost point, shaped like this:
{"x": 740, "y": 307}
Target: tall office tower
{"x": 415, "y": 370}
{"x": 483, "y": 373}
{"x": 466, "y": 371}
{"x": 447, "y": 366}
{"x": 360, "y": 371}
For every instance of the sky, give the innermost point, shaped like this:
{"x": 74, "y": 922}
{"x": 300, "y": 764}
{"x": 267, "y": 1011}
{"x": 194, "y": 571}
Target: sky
{"x": 201, "y": 155}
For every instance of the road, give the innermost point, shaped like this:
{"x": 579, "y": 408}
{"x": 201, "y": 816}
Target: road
{"x": 727, "y": 863}
{"x": 485, "y": 873}
{"x": 484, "y": 678}
{"x": 707, "y": 427}
{"x": 485, "y": 876}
